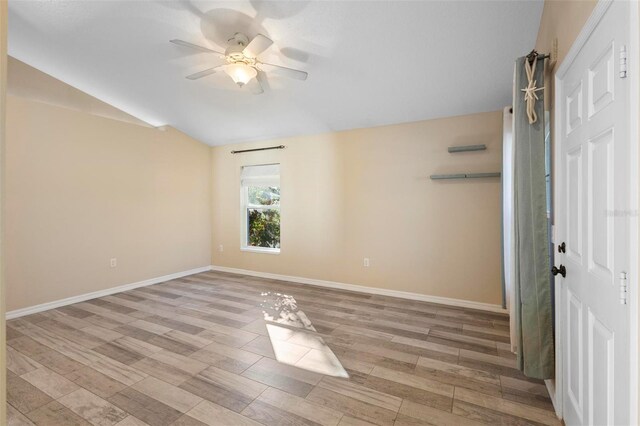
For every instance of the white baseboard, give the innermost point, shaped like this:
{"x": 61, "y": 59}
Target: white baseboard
{"x": 301, "y": 280}
{"x": 100, "y": 293}
{"x": 551, "y": 388}
{"x": 369, "y": 290}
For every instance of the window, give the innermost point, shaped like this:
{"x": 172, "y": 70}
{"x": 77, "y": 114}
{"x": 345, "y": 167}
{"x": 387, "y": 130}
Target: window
{"x": 260, "y": 195}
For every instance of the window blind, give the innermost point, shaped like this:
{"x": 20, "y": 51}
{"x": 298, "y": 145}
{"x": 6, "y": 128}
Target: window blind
{"x": 261, "y": 175}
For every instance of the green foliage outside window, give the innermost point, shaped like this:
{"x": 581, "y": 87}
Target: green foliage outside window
{"x": 263, "y": 227}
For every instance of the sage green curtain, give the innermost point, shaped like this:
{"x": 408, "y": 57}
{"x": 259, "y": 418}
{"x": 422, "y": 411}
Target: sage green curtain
{"x": 533, "y": 308}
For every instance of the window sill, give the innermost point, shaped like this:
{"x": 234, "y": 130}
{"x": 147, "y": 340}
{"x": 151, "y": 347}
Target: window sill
{"x": 261, "y": 250}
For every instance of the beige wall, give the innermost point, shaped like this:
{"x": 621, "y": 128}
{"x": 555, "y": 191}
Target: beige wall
{"x": 82, "y": 189}
{"x": 24, "y": 81}
{"x": 562, "y": 20}
{"x": 3, "y": 83}
{"x": 367, "y": 193}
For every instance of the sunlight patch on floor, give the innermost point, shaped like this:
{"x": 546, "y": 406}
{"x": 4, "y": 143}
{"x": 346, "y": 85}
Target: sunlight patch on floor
{"x": 291, "y": 333}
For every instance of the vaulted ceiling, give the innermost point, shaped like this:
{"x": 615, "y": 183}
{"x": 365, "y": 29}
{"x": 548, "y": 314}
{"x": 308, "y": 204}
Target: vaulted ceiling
{"x": 370, "y": 63}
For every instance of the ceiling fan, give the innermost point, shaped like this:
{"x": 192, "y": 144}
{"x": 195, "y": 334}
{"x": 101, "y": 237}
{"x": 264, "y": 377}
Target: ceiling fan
{"x": 242, "y": 63}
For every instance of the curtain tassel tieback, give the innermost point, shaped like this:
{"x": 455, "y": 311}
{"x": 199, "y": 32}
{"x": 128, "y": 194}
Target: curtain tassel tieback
{"x": 530, "y": 95}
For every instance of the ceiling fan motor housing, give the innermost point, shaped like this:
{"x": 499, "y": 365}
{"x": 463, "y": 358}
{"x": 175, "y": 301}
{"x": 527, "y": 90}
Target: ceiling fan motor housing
{"x": 239, "y": 39}
{"x": 234, "y": 53}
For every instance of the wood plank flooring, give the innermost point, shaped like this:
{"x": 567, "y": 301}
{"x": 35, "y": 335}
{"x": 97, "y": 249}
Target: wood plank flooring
{"x": 196, "y": 351}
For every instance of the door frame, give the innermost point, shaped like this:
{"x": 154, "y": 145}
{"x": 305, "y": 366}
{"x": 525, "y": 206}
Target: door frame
{"x": 633, "y": 74}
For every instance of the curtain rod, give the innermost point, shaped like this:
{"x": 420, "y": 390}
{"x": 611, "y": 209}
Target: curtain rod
{"x": 258, "y": 149}
{"x": 534, "y": 54}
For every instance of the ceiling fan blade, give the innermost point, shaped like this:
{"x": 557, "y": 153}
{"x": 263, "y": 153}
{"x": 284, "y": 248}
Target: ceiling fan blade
{"x": 205, "y": 73}
{"x": 289, "y": 72}
{"x": 255, "y": 86}
{"x": 259, "y": 44}
{"x": 195, "y": 46}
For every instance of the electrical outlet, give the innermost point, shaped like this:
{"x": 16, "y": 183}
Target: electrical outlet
{"x": 366, "y": 263}
{"x": 221, "y": 248}
{"x": 113, "y": 262}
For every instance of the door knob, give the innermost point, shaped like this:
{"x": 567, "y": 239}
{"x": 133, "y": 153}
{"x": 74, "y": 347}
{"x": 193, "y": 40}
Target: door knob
{"x": 561, "y": 270}
{"x": 562, "y": 248}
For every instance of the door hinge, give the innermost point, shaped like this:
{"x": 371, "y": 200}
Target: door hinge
{"x": 623, "y": 288}
{"x": 623, "y": 61}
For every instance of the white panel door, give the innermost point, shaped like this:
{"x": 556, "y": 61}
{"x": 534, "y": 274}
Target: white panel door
{"x": 592, "y": 219}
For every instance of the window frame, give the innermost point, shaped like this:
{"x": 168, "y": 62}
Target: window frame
{"x": 245, "y": 206}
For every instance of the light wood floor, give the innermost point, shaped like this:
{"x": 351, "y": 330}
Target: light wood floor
{"x": 196, "y": 351}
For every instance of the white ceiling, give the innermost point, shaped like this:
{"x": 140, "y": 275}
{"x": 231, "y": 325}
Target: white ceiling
{"x": 370, "y": 63}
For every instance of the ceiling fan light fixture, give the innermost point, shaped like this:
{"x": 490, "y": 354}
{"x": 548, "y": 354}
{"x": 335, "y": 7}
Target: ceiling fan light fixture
{"x": 242, "y": 63}
{"x": 241, "y": 73}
